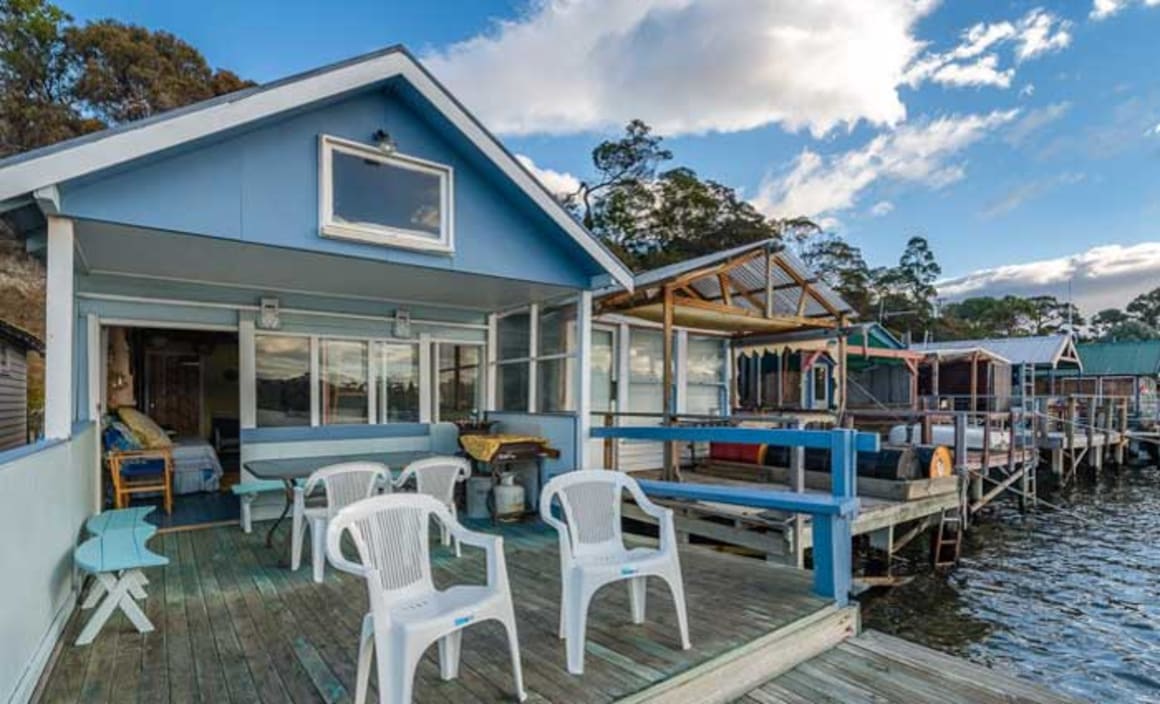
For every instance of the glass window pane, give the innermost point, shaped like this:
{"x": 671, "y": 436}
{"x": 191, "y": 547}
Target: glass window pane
{"x": 514, "y": 336}
{"x": 821, "y": 384}
{"x": 343, "y": 388}
{"x": 557, "y": 333}
{"x": 703, "y": 399}
{"x": 602, "y": 356}
{"x": 399, "y": 384}
{"x": 367, "y": 192}
{"x": 283, "y": 380}
{"x": 645, "y": 366}
{"x": 706, "y": 364}
{"x": 512, "y": 383}
{"x": 459, "y": 387}
{"x": 553, "y": 378}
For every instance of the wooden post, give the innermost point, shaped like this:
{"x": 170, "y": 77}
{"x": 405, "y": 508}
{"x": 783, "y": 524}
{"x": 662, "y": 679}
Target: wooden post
{"x": 1123, "y": 429}
{"x": 670, "y": 448}
{"x": 59, "y": 326}
{"x": 843, "y": 351}
{"x": 974, "y": 381}
{"x": 797, "y": 473}
{"x": 609, "y": 443}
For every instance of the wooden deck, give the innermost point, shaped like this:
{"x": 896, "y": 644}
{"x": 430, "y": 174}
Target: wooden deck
{"x": 234, "y": 626}
{"x": 773, "y": 536}
{"x": 875, "y": 667}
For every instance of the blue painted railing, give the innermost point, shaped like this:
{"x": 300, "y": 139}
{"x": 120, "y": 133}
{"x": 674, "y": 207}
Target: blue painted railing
{"x": 831, "y": 515}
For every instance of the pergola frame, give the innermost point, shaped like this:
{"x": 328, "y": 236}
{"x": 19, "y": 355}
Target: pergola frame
{"x": 671, "y": 297}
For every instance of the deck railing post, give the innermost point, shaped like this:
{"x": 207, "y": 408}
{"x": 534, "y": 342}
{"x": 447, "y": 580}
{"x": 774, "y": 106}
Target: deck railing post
{"x": 832, "y": 534}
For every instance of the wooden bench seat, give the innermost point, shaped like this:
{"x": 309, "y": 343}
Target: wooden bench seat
{"x": 115, "y": 555}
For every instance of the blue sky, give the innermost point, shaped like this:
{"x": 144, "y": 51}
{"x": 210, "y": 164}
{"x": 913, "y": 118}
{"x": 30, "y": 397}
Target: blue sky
{"x": 1021, "y": 138}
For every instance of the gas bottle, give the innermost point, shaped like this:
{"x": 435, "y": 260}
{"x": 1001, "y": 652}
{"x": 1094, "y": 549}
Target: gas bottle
{"x": 509, "y": 496}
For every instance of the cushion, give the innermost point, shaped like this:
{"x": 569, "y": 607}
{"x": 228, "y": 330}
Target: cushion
{"x": 149, "y": 433}
{"x": 117, "y": 437}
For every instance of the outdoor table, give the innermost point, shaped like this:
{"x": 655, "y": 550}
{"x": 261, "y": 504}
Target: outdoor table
{"x": 289, "y": 470}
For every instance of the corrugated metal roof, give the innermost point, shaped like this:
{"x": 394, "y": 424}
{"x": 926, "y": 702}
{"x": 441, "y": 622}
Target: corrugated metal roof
{"x": 750, "y": 276}
{"x": 1043, "y": 349}
{"x": 1137, "y": 358}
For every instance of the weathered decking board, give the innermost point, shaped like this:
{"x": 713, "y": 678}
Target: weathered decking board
{"x": 234, "y": 626}
{"x": 875, "y": 667}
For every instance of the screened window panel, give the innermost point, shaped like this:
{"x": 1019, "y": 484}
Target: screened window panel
{"x": 459, "y": 375}
{"x": 398, "y": 396}
{"x": 554, "y": 381}
{"x": 343, "y": 386}
{"x": 512, "y": 385}
{"x": 557, "y": 330}
{"x": 514, "y": 336}
{"x": 282, "y": 393}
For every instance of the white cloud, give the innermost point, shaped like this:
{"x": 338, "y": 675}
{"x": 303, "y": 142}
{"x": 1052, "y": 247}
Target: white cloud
{"x": 916, "y": 153}
{"x": 1102, "y": 9}
{"x": 882, "y": 207}
{"x": 687, "y": 66}
{"x": 975, "y": 61}
{"x": 557, "y": 182}
{"x": 1029, "y": 191}
{"x": 1040, "y": 32}
{"x": 1155, "y": 130}
{"x": 1107, "y": 276}
{"x": 1035, "y": 120}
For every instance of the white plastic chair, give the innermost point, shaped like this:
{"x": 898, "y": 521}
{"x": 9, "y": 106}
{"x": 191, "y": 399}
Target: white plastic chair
{"x": 592, "y": 551}
{"x": 344, "y": 483}
{"x": 436, "y": 477}
{"x": 407, "y": 613}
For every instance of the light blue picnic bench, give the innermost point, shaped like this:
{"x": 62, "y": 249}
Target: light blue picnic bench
{"x": 115, "y": 555}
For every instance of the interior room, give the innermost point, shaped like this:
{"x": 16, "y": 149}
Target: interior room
{"x": 186, "y": 383}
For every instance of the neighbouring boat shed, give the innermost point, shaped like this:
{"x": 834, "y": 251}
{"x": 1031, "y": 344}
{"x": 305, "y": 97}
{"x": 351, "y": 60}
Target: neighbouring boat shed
{"x": 1129, "y": 368}
{"x": 1044, "y": 358}
{"x": 879, "y": 371}
{"x": 15, "y": 344}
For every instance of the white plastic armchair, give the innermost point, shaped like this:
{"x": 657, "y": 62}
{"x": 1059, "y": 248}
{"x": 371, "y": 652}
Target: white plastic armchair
{"x": 592, "y": 551}
{"x": 436, "y": 477}
{"x": 407, "y": 613}
{"x": 344, "y": 484}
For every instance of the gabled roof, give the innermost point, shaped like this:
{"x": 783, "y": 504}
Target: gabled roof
{"x": 25, "y": 174}
{"x": 1043, "y": 350}
{"x": 1136, "y": 358}
{"x": 16, "y": 335}
{"x": 751, "y": 289}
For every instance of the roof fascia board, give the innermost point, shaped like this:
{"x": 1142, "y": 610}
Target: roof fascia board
{"x": 120, "y": 147}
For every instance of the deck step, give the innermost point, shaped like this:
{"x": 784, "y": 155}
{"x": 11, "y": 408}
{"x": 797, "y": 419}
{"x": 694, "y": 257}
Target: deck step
{"x": 875, "y": 667}
{"x": 739, "y": 671}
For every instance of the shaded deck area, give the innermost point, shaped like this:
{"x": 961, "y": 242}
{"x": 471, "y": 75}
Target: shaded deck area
{"x": 234, "y": 626}
{"x": 875, "y": 667}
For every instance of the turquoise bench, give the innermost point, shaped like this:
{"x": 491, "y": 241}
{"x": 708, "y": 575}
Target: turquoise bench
{"x": 248, "y": 491}
{"x": 115, "y": 555}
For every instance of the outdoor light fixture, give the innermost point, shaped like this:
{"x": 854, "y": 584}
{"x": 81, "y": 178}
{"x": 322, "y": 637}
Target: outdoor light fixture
{"x": 402, "y": 323}
{"x": 383, "y": 140}
{"x": 269, "y": 317}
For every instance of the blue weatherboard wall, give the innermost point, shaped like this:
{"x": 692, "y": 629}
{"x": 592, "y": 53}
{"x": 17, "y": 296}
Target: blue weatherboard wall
{"x": 261, "y": 186}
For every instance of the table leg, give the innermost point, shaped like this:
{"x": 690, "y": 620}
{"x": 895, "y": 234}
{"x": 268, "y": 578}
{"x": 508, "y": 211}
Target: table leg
{"x": 286, "y": 510}
{"x": 118, "y": 597}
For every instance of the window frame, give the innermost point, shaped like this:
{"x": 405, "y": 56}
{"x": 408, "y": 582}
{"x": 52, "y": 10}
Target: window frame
{"x": 384, "y": 234}
{"x": 532, "y": 359}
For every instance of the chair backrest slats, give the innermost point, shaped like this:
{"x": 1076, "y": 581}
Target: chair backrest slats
{"x": 437, "y": 476}
{"x": 348, "y": 482}
{"x": 590, "y": 500}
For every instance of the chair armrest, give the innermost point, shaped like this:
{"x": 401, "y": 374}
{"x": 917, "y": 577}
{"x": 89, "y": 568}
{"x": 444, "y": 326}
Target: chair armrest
{"x": 334, "y": 552}
{"x": 491, "y": 544}
{"x": 162, "y": 452}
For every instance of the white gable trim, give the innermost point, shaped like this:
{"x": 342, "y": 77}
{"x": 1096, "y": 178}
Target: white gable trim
{"x": 123, "y": 146}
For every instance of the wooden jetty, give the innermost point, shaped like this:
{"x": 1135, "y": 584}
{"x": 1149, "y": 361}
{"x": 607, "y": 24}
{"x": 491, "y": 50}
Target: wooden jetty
{"x": 874, "y": 667}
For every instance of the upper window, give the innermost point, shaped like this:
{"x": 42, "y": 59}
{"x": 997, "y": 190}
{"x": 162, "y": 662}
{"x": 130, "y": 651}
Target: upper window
{"x": 384, "y": 198}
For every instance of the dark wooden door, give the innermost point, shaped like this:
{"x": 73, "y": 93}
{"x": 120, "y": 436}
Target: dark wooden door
{"x": 173, "y": 391}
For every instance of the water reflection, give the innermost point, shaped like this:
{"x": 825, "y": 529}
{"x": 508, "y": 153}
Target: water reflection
{"x": 1070, "y": 599}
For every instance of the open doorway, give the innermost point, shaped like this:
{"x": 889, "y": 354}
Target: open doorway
{"x": 184, "y": 382}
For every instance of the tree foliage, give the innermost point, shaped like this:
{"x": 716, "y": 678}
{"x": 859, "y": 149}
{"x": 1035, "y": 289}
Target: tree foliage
{"x": 60, "y": 80}
{"x": 651, "y": 216}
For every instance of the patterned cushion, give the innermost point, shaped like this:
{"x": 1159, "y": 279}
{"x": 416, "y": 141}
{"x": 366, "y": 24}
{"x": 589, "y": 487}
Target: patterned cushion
{"x": 118, "y": 438}
{"x": 149, "y": 433}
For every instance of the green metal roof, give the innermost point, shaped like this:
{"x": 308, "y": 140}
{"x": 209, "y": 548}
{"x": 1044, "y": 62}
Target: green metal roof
{"x": 1110, "y": 358}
